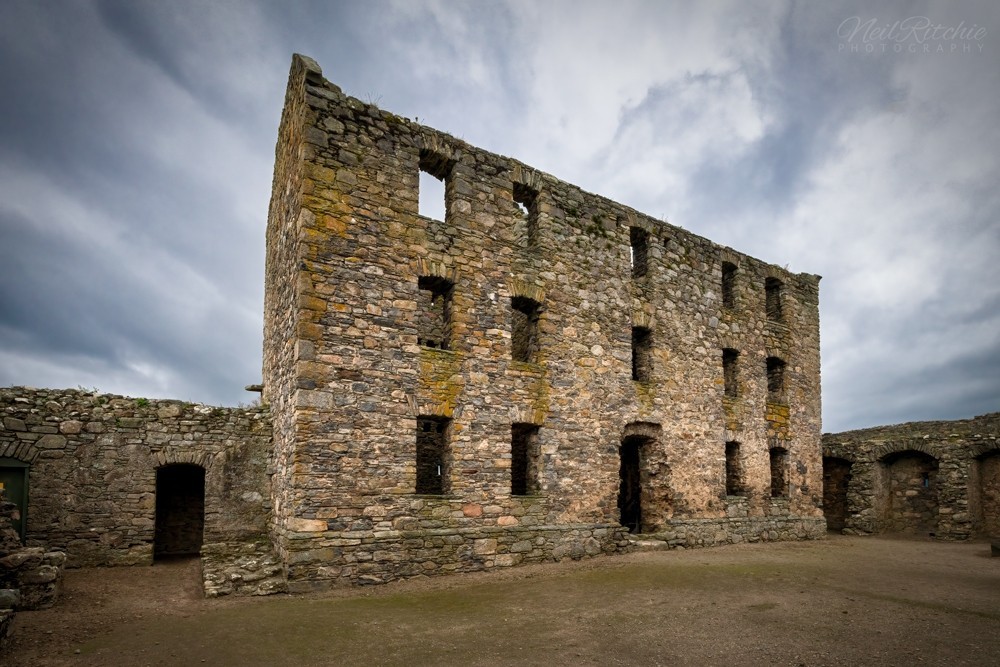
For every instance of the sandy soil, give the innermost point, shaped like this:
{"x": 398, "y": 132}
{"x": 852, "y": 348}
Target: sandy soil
{"x": 840, "y": 601}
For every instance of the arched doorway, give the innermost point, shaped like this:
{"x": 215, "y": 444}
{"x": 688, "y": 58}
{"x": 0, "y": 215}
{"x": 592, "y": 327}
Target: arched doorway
{"x": 911, "y": 484}
{"x": 180, "y": 510}
{"x": 836, "y": 480}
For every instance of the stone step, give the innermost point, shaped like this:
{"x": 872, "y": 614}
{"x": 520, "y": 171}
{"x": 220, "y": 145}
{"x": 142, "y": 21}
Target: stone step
{"x": 639, "y": 544}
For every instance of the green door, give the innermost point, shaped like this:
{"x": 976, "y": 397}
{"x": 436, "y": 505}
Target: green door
{"x": 14, "y": 482}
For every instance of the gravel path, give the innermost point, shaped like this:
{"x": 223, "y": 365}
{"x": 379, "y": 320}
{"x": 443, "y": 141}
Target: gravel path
{"x": 840, "y": 601}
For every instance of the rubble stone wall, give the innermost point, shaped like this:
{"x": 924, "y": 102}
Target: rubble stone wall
{"x": 546, "y": 288}
{"x": 93, "y": 466}
{"x": 30, "y": 577}
{"x": 939, "y": 478}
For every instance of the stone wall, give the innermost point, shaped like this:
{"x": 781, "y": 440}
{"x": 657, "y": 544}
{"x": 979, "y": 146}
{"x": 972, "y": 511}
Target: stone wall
{"x": 30, "y": 577}
{"x": 94, "y": 460}
{"x": 286, "y": 334}
{"x": 930, "y": 478}
{"x": 546, "y": 290}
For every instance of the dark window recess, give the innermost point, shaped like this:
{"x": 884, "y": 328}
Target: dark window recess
{"x": 434, "y": 312}
{"x": 524, "y": 328}
{"x": 526, "y": 200}
{"x": 734, "y": 470}
{"x": 729, "y": 372}
{"x": 639, "y": 251}
{"x": 775, "y": 380}
{"x": 435, "y": 170}
{"x": 772, "y": 297}
{"x": 524, "y": 456}
{"x": 728, "y": 285}
{"x": 432, "y": 455}
{"x": 642, "y": 354}
{"x": 779, "y": 466}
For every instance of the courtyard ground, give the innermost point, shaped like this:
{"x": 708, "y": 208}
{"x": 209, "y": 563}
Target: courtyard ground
{"x": 839, "y": 601}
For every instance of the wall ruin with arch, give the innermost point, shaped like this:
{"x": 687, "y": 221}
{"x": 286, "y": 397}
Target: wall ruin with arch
{"x": 939, "y": 479}
{"x": 92, "y": 477}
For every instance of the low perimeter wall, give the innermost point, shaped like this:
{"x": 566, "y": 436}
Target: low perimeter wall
{"x": 939, "y": 479}
{"x": 92, "y": 463}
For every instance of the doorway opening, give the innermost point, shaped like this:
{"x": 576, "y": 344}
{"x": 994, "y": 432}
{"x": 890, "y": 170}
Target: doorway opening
{"x": 630, "y": 486}
{"x": 836, "y": 482}
{"x": 14, "y": 482}
{"x": 180, "y": 511}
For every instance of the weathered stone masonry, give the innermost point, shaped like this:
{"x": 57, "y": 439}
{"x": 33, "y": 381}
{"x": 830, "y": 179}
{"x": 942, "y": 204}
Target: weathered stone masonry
{"x": 93, "y": 462}
{"x": 925, "y": 478}
{"x": 536, "y": 326}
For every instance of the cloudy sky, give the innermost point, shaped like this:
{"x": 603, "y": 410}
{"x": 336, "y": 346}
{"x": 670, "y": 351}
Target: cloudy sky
{"x": 137, "y": 141}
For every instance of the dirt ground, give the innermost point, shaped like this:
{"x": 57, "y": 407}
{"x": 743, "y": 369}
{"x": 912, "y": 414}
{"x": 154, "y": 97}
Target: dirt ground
{"x": 840, "y": 601}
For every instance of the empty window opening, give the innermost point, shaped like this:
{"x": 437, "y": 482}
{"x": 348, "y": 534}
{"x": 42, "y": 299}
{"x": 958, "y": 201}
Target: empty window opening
{"x": 524, "y": 453}
{"x": 775, "y": 380}
{"x": 734, "y": 470}
{"x": 433, "y": 465}
{"x": 526, "y": 200}
{"x": 434, "y": 312}
{"x": 431, "y": 200}
{"x": 642, "y": 354}
{"x": 180, "y": 510}
{"x": 630, "y": 484}
{"x": 14, "y": 484}
{"x": 524, "y": 329}
{"x": 772, "y": 294}
{"x": 728, "y": 285}
{"x": 779, "y": 467}
{"x": 431, "y": 193}
{"x": 639, "y": 251}
{"x": 729, "y": 372}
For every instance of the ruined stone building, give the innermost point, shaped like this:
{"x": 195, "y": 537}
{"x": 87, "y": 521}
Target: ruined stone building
{"x": 532, "y": 375}
{"x": 519, "y": 380}
{"x": 939, "y": 479}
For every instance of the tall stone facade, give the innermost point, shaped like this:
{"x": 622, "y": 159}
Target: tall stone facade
{"x": 939, "y": 479}
{"x": 524, "y": 380}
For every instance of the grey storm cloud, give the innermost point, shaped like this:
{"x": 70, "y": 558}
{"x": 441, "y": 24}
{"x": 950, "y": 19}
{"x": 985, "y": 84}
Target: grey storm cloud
{"x": 137, "y": 140}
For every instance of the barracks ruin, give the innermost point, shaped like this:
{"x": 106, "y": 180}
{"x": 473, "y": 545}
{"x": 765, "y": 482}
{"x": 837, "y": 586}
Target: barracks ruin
{"x": 541, "y": 374}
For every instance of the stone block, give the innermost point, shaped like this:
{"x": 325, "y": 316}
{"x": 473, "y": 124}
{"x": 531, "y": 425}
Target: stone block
{"x": 51, "y": 442}
{"x": 10, "y": 598}
{"x": 70, "y": 427}
{"x": 484, "y": 547}
{"x": 14, "y": 424}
